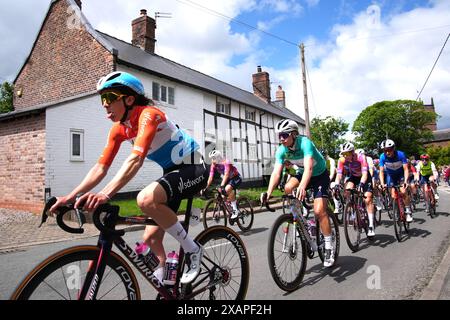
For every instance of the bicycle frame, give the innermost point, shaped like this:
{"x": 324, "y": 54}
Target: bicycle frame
{"x": 109, "y": 236}
{"x": 398, "y": 197}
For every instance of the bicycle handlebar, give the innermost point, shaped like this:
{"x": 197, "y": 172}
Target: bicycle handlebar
{"x": 112, "y": 212}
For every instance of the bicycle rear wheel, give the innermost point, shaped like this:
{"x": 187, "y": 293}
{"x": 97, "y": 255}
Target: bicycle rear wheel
{"x": 213, "y": 214}
{"x": 431, "y": 203}
{"x": 225, "y": 270}
{"x": 286, "y": 252}
{"x": 246, "y": 216}
{"x": 62, "y": 275}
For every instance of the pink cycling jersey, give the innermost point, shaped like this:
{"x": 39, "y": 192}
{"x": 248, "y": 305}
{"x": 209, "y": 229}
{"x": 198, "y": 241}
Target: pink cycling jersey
{"x": 356, "y": 167}
{"x": 224, "y": 167}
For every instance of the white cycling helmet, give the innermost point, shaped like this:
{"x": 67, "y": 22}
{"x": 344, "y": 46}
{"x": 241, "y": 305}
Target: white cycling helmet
{"x": 360, "y": 151}
{"x": 215, "y": 154}
{"x": 346, "y": 147}
{"x": 286, "y": 125}
{"x": 388, "y": 143}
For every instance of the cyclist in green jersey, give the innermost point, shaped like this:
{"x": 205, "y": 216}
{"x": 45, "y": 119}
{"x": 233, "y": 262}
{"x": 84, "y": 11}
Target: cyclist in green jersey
{"x": 312, "y": 173}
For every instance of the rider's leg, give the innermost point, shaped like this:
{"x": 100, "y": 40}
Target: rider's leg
{"x": 292, "y": 183}
{"x": 152, "y": 201}
{"x": 153, "y": 237}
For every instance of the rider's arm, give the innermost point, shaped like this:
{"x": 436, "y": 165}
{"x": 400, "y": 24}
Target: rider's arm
{"x": 381, "y": 174}
{"x": 435, "y": 172}
{"x": 340, "y": 170}
{"x": 308, "y": 163}
{"x": 406, "y": 172}
{"x": 211, "y": 176}
{"x": 226, "y": 174}
{"x": 364, "y": 168}
{"x": 332, "y": 168}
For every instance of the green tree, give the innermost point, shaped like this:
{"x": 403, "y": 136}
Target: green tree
{"x": 327, "y": 134}
{"x": 403, "y": 121}
{"x": 6, "y": 97}
{"x": 439, "y": 155}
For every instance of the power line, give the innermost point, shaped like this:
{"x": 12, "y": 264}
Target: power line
{"x": 193, "y": 4}
{"x": 433, "y": 66}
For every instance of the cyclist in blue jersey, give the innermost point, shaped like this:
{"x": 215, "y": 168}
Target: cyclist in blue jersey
{"x": 395, "y": 164}
{"x": 301, "y": 151}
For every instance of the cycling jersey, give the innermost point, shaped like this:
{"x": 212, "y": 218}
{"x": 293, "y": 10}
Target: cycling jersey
{"x": 302, "y": 148}
{"x": 427, "y": 169}
{"x": 152, "y": 135}
{"x": 223, "y": 168}
{"x": 394, "y": 165}
{"x": 355, "y": 167}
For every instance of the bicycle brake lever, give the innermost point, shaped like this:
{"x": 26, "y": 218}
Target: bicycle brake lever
{"x": 50, "y": 202}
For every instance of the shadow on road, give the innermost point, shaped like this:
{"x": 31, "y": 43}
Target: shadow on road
{"x": 251, "y": 231}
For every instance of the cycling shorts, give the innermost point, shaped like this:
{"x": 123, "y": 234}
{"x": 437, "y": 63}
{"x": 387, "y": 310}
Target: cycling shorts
{"x": 367, "y": 187}
{"x": 234, "y": 182}
{"x": 424, "y": 179}
{"x": 183, "y": 182}
{"x": 395, "y": 179}
{"x": 320, "y": 184}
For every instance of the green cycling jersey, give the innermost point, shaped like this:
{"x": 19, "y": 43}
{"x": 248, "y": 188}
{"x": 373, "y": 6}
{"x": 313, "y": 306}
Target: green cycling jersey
{"x": 302, "y": 148}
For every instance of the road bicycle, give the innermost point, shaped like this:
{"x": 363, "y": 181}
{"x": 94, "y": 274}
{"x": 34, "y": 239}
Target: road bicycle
{"x": 430, "y": 200}
{"x": 218, "y": 211}
{"x": 97, "y": 272}
{"x": 292, "y": 239}
{"x": 356, "y": 218}
{"x": 401, "y": 227}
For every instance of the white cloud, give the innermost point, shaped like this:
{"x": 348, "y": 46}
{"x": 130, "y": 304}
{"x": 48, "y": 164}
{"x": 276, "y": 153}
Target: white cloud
{"x": 371, "y": 62}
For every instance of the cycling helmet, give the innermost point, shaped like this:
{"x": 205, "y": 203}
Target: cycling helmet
{"x": 388, "y": 143}
{"x": 286, "y": 125}
{"x": 119, "y": 79}
{"x": 360, "y": 151}
{"x": 346, "y": 147}
{"x": 215, "y": 154}
{"x": 425, "y": 157}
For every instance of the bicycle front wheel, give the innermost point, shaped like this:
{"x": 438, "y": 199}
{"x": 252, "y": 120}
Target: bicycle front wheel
{"x": 351, "y": 228}
{"x": 286, "y": 253}
{"x": 399, "y": 225}
{"x": 62, "y": 276}
{"x": 246, "y": 216}
{"x": 225, "y": 270}
{"x": 213, "y": 214}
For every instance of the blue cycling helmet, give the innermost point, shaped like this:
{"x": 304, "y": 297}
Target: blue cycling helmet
{"x": 120, "y": 79}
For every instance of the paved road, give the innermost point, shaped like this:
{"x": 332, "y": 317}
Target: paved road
{"x": 383, "y": 269}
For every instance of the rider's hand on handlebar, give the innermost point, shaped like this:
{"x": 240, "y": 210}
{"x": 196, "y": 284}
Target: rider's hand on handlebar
{"x": 91, "y": 201}
{"x": 301, "y": 193}
{"x": 61, "y": 201}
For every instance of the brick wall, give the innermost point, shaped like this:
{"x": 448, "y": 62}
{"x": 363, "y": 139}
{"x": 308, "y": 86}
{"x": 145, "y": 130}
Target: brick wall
{"x": 66, "y": 60}
{"x": 22, "y": 162}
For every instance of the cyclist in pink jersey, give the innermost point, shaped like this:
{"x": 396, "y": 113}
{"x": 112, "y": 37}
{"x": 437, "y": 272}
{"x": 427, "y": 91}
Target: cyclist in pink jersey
{"x": 357, "y": 169}
{"x": 231, "y": 179}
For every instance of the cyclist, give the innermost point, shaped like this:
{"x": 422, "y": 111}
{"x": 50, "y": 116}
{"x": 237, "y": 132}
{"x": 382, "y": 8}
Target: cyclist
{"x": 428, "y": 172}
{"x": 358, "y": 171}
{"x": 154, "y": 136}
{"x": 231, "y": 179}
{"x": 312, "y": 174}
{"x": 395, "y": 164}
{"x": 413, "y": 177}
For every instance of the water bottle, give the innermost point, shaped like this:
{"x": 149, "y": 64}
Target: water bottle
{"x": 150, "y": 259}
{"x": 171, "y": 269}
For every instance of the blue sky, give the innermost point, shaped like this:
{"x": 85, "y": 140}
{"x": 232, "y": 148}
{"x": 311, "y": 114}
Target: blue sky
{"x": 358, "y": 52}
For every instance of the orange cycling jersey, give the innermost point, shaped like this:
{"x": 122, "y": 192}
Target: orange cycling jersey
{"x": 153, "y": 136}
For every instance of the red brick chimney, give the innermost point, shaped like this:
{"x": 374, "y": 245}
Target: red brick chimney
{"x": 143, "y": 29}
{"x": 430, "y": 107}
{"x": 280, "y": 97}
{"x": 261, "y": 85}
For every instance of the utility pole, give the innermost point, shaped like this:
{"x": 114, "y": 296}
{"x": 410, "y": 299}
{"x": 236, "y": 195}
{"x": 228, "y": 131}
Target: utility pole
{"x": 305, "y": 90}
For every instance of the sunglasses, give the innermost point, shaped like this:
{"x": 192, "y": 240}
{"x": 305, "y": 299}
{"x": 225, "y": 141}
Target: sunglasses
{"x": 348, "y": 153}
{"x": 110, "y": 97}
{"x": 284, "y": 135}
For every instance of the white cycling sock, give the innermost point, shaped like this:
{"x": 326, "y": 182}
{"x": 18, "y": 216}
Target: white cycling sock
{"x": 234, "y": 205}
{"x": 159, "y": 273}
{"x": 370, "y": 220}
{"x": 177, "y": 231}
{"x": 328, "y": 242}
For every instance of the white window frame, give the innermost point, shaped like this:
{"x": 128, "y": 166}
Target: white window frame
{"x": 163, "y": 93}
{"x": 76, "y": 157}
{"x": 223, "y": 106}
